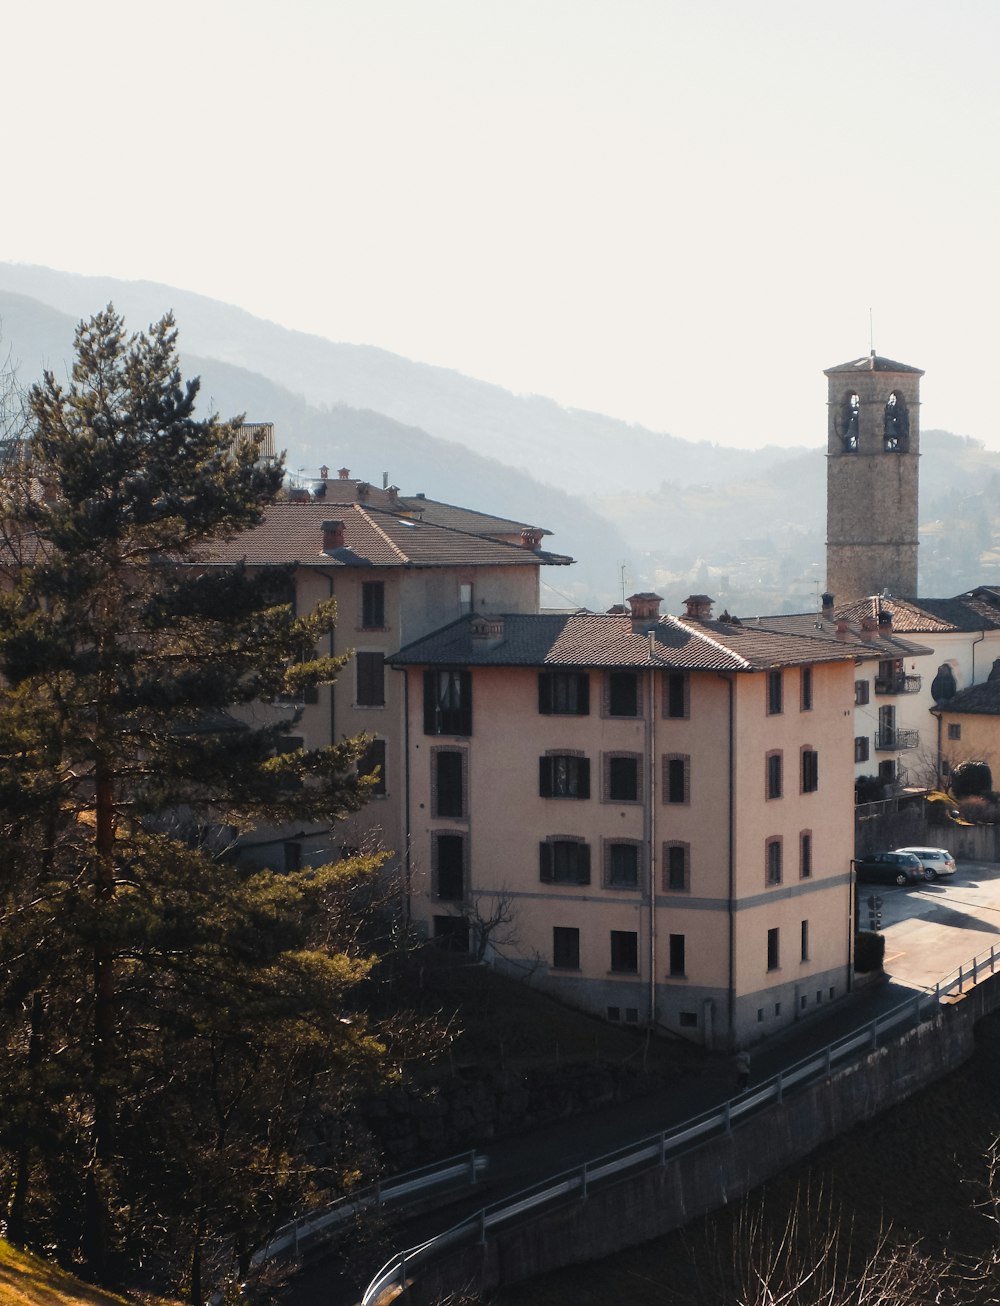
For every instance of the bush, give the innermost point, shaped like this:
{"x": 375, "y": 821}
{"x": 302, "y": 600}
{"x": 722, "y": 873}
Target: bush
{"x": 970, "y": 778}
{"x": 980, "y": 809}
{"x": 868, "y": 789}
{"x": 869, "y": 951}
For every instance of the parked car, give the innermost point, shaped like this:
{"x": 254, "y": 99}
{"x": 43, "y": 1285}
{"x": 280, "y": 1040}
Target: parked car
{"x": 935, "y": 861}
{"x": 891, "y": 868}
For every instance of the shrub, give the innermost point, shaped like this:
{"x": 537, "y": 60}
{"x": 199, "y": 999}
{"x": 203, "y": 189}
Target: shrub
{"x": 973, "y": 777}
{"x": 869, "y": 951}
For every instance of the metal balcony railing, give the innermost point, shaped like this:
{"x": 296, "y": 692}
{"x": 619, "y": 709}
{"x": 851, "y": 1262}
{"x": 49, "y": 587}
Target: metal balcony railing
{"x": 897, "y": 684}
{"x": 896, "y": 741}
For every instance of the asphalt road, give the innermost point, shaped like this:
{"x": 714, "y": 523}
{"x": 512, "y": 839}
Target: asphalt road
{"x": 932, "y": 929}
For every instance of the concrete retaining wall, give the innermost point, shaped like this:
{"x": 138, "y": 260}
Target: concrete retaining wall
{"x": 721, "y": 1169}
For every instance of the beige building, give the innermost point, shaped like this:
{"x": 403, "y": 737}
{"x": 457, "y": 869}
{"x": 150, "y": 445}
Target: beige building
{"x": 397, "y": 569}
{"x": 653, "y": 816}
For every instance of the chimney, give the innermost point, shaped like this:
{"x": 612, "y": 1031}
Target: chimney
{"x": 617, "y": 610}
{"x": 486, "y": 632}
{"x": 843, "y": 630}
{"x": 698, "y": 607}
{"x": 827, "y": 609}
{"x": 333, "y": 536}
{"x": 324, "y": 472}
{"x": 885, "y": 622}
{"x": 531, "y": 537}
{"x": 299, "y": 494}
{"x": 645, "y": 610}
{"x": 869, "y": 628}
{"x": 344, "y": 473}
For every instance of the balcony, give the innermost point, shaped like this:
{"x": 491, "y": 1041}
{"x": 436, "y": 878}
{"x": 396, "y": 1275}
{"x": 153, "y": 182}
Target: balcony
{"x": 897, "y": 685}
{"x": 896, "y": 741}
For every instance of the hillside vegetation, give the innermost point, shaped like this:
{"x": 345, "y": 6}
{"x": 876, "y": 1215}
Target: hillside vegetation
{"x": 27, "y": 1280}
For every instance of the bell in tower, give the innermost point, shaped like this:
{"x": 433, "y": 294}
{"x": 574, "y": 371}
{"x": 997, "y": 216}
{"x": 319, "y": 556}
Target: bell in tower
{"x": 871, "y": 485}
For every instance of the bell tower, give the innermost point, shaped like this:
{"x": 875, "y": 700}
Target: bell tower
{"x": 873, "y": 449}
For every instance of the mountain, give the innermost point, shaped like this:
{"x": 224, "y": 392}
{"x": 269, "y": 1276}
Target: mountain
{"x": 748, "y": 526}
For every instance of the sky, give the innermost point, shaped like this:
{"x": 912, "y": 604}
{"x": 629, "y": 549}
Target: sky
{"x": 675, "y": 212}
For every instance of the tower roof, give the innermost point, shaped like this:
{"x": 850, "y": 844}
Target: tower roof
{"x": 873, "y": 363}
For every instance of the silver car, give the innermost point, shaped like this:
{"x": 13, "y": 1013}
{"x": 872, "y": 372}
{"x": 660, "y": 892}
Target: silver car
{"x": 935, "y": 861}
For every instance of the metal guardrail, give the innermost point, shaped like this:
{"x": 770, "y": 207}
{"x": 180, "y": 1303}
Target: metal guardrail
{"x": 295, "y": 1237}
{"x": 658, "y": 1149}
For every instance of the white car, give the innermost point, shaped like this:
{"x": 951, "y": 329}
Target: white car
{"x": 935, "y": 861}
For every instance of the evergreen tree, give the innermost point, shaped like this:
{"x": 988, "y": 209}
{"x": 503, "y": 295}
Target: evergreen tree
{"x": 170, "y": 1020}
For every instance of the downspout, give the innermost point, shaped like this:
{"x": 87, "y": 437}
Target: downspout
{"x": 982, "y": 636}
{"x": 731, "y": 822}
{"x": 407, "y": 861}
{"x": 650, "y": 830}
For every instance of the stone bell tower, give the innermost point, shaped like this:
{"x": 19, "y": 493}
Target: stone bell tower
{"x": 871, "y": 484}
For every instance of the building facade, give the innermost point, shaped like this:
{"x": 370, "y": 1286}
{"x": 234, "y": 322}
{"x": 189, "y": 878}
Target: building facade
{"x": 653, "y": 817}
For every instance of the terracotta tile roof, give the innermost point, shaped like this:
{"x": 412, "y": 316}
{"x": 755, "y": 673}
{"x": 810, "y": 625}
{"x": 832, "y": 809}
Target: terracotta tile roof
{"x": 293, "y": 532}
{"x": 966, "y": 613}
{"x": 465, "y": 519}
{"x": 605, "y": 640}
{"x": 872, "y": 363}
{"x": 812, "y": 625}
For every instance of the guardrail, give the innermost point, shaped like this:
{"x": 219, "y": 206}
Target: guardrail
{"x": 658, "y": 1149}
{"x": 969, "y": 974}
{"x": 295, "y": 1237}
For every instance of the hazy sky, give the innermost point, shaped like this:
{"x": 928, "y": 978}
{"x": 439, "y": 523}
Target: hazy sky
{"x": 673, "y": 212}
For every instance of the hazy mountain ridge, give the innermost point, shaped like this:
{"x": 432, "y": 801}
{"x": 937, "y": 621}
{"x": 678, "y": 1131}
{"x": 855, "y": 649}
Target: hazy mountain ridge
{"x": 558, "y": 445}
{"x": 747, "y": 524}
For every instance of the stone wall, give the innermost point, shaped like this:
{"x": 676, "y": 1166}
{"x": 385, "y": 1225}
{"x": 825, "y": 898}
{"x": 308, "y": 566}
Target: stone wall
{"x": 721, "y": 1169}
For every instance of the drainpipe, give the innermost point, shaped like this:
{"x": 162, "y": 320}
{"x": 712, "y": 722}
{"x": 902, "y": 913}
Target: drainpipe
{"x": 982, "y": 636}
{"x": 407, "y": 856}
{"x": 731, "y": 821}
{"x": 650, "y": 831}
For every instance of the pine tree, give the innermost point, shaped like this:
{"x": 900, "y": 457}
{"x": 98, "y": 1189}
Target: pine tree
{"x": 168, "y": 1018}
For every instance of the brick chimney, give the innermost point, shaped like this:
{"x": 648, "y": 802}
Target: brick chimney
{"x": 531, "y": 537}
{"x": 869, "y": 628}
{"x": 344, "y": 473}
{"x": 645, "y": 609}
{"x": 486, "y": 632}
{"x": 324, "y": 473}
{"x": 827, "y": 601}
{"x": 698, "y": 607}
{"x": 333, "y": 536}
{"x": 885, "y": 622}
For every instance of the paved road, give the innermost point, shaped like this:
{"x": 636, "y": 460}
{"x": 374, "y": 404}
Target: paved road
{"x": 929, "y": 931}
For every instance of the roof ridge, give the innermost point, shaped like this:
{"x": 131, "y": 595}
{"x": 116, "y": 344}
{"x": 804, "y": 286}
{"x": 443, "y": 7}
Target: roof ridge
{"x": 363, "y": 512}
{"x": 715, "y": 643}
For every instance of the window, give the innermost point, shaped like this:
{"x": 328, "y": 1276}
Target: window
{"x": 887, "y": 772}
{"x": 448, "y": 861}
{"x": 372, "y": 762}
{"x": 810, "y": 770}
{"x": 448, "y": 781}
{"x": 774, "y": 778}
{"x": 954, "y": 731}
{"x": 465, "y": 598}
{"x": 621, "y": 865}
{"x": 371, "y": 679}
{"x": 676, "y": 694}
{"x": 805, "y": 948}
{"x": 564, "y": 775}
{"x": 677, "y": 968}
{"x": 288, "y": 744}
{"x": 773, "y": 861}
{"x": 564, "y": 861}
{"x": 373, "y": 605}
{"x": 848, "y": 422}
{"x": 451, "y": 933}
{"x": 676, "y": 867}
{"x": 564, "y": 693}
{"x": 862, "y": 691}
{"x": 677, "y": 778}
{"x": 775, "y": 693}
{"x": 565, "y": 948}
{"x": 621, "y": 777}
{"x": 688, "y": 1019}
{"x": 805, "y": 854}
{"x": 861, "y": 747}
{"x": 623, "y": 693}
{"x": 806, "y": 689}
{"x": 773, "y": 957}
{"x": 447, "y": 703}
{"x": 624, "y": 952}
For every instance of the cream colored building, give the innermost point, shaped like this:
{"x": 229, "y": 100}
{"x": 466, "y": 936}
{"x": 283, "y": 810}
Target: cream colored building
{"x": 398, "y": 569}
{"x": 652, "y": 816}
